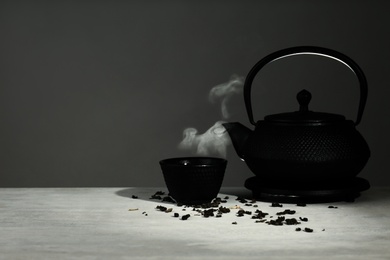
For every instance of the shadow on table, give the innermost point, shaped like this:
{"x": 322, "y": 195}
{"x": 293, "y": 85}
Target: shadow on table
{"x": 161, "y": 195}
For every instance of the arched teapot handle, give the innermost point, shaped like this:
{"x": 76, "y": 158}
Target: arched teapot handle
{"x": 311, "y": 50}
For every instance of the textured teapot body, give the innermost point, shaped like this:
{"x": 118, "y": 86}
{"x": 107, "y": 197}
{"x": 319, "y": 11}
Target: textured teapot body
{"x": 305, "y": 152}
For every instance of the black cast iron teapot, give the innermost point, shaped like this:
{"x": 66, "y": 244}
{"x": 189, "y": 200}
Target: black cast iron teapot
{"x": 303, "y": 145}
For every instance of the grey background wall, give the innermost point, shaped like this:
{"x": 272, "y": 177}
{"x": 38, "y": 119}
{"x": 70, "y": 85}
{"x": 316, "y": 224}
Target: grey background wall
{"x": 95, "y": 93}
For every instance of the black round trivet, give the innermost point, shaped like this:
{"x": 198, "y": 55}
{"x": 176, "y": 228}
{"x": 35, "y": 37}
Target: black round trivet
{"x": 333, "y": 191}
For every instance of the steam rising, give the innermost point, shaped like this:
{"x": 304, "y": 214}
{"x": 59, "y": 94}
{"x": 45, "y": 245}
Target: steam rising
{"x": 225, "y": 91}
{"x": 215, "y": 140}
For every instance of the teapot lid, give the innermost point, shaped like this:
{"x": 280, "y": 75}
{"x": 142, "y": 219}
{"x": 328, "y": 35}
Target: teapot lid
{"x": 304, "y": 116}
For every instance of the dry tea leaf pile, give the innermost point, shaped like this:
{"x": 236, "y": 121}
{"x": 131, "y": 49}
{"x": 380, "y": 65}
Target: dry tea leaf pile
{"x": 244, "y": 208}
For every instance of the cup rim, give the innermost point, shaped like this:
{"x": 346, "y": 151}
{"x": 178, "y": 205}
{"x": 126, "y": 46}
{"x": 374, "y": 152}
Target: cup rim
{"x": 180, "y": 161}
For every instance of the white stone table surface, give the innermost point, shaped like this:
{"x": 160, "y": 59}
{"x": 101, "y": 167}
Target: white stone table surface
{"x": 107, "y": 223}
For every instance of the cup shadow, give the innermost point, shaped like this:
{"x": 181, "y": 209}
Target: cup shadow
{"x": 161, "y": 195}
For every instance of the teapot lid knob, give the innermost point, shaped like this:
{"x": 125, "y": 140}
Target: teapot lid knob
{"x": 304, "y": 98}
{"x": 304, "y": 116}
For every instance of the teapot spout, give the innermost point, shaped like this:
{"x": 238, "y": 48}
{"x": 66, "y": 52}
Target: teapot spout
{"x": 238, "y": 134}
